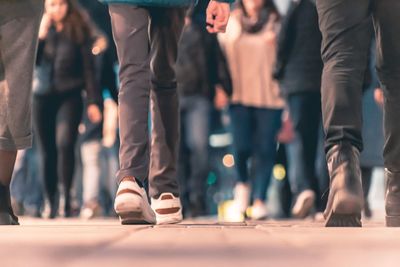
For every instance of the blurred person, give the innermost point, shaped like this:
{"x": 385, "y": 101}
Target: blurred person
{"x": 299, "y": 70}
{"x": 371, "y": 156}
{"x": 19, "y": 25}
{"x": 197, "y": 76}
{"x": 346, "y": 31}
{"x": 106, "y": 56}
{"x": 26, "y": 187}
{"x": 146, "y": 34}
{"x": 64, "y": 68}
{"x": 256, "y": 106}
{"x": 92, "y": 133}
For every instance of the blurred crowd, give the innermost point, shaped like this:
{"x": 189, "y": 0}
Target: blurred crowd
{"x": 252, "y": 144}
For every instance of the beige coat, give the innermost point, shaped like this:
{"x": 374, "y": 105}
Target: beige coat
{"x": 251, "y": 59}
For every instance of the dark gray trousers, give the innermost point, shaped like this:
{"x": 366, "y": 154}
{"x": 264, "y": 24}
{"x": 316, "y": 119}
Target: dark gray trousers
{"x": 147, "y": 41}
{"x": 346, "y": 45}
{"x": 19, "y": 26}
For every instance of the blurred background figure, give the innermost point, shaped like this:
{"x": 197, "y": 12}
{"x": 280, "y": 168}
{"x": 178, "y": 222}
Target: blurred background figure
{"x": 198, "y": 87}
{"x": 256, "y": 106}
{"x": 372, "y": 155}
{"x": 26, "y": 187}
{"x": 95, "y": 156}
{"x": 65, "y": 68}
{"x": 298, "y": 70}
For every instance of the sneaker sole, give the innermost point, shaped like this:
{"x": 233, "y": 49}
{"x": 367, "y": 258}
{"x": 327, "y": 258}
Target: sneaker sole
{"x": 173, "y": 218}
{"x": 137, "y": 212}
{"x": 129, "y": 218}
{"x": 393, "y": 221}
{"x": 346, "y": 211}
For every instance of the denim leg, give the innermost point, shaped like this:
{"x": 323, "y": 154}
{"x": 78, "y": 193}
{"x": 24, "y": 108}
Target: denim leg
{"x": 197, "y": 124}
{"x": 242, "y": 131}
{"x": 305, "y": 112}
{"x": 91, "y": 155}
{"x": 268, "y": 123}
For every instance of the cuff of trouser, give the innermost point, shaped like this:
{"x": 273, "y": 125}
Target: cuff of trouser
{"x": 138, "y": 173}
{"x": 15, "y": 144}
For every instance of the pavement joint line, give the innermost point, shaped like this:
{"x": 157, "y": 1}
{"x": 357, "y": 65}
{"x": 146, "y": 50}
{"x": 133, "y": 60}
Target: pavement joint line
{"x": 106, "y": 243}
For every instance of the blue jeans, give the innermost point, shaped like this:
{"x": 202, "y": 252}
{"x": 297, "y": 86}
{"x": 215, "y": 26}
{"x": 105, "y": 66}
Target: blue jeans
{"x": 254, "y": 136}
{"x": 193, "y": 163}
{"x": 307, "y": 164}
{"x": 26, "y": 187}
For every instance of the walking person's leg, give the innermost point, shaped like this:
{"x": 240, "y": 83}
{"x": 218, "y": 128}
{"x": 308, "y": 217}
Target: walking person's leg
{"x": 45, "y": 110}
{"x": 388, "y": 66}
{"x": 68, "y": 119}
{"x": 198, "y": 130}
{"x": 130, "y": 30}
{"x": 19, "y": 24}
{"x": 345, "y": 49}
{"x": 166, "y": 25}
{"x": 305, "y": 112}
{"x": 268, "y": 124}
{"x": 242, "y": 131}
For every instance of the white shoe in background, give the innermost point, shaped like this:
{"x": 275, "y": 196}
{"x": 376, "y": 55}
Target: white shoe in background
{"x": 304, "y": 203}
{"x": 242, "y": 196}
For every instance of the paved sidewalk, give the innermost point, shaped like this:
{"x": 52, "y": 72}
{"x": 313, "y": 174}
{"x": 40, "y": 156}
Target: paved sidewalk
{"x": 73, "y": 243}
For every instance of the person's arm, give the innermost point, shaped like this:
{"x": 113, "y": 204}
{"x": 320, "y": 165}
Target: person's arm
{"x": 93, "y": 92}
{"x": 285, "y": 40}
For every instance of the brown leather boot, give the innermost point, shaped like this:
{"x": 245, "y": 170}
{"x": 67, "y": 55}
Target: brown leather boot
{"x": 392, "y": 198}
{"x": 345, "y": 200}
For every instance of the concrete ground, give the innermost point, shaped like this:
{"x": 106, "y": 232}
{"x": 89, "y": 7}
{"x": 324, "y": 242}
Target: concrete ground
{"x": 101, "y": 243}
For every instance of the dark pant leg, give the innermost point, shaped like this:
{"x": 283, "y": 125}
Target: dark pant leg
{"x": 345, "y": 27}
{"x": 130, "y": 30}
{"x": 305, "y": 112}
{"x": 68, "y": 119}
{"x": 242, "y": 130}
{"x": 44, "y": 117}
{"x": 166, "y": 26}
{"x": 19, "y": 25}
{"x": 386, "y": 14}
{"x": 198, "y": 129}
{"x": 268, "y": 123}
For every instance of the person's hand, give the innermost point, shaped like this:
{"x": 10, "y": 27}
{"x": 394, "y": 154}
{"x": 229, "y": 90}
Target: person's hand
{"x": 94, "y": 113}
{"x": 217, "y": 16}
{"x": 221, "y": 99}
{"x": 379, "y": 97}
{"x": 44, "y": 26}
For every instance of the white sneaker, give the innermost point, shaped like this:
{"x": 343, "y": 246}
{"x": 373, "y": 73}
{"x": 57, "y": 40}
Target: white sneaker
{"x": 304, "y": 204}
{"x": 131, "y": 204}
{"x": 168, "y": 209}
{"x": 242, "y": 196}
{"x": 259, "y": 212}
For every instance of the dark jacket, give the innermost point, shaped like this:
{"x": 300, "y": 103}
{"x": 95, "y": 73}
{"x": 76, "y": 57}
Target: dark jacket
{"x": 65, "y": 66}
{"x": 299, "y": 64}
{"x": 199, "y": 67}
{"x": 166, "y": 3}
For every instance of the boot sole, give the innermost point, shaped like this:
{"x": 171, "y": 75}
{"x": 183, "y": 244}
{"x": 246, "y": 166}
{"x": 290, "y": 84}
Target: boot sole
{"x": 393, "y": 221}
{"x": 346, "y": 211}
